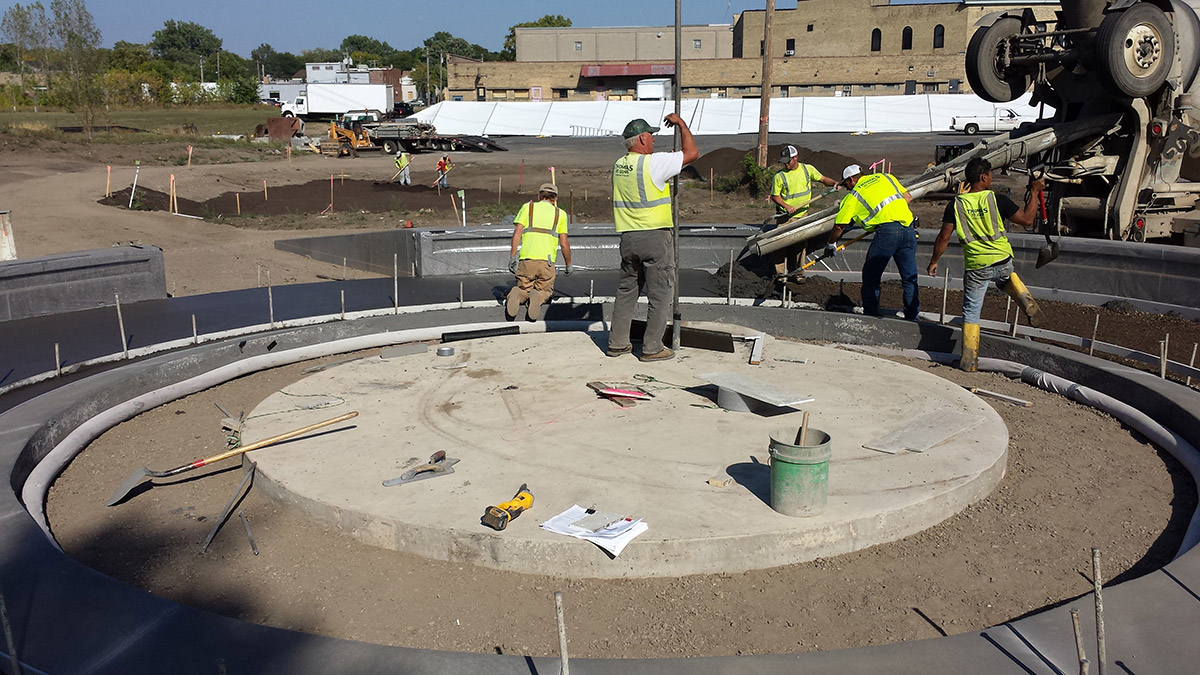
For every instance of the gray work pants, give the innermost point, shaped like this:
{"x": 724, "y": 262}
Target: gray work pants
{"x": 647, "y": 259}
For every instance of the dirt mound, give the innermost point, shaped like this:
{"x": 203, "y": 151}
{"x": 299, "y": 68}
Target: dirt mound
{"x": 312, "y": 197}
{"x": 728, "y": 161}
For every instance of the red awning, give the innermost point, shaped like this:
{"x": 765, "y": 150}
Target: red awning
{"x": 627, "y": 70}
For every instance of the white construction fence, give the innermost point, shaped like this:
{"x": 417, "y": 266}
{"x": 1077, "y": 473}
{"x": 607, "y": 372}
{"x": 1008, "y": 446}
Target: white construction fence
{"x": 920, "y": 113}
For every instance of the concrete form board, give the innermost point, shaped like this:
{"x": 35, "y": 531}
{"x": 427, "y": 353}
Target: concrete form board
{"x": 72, "y": 281}
{"x": 113, "y": 629}
{"x": 366, "y": 251}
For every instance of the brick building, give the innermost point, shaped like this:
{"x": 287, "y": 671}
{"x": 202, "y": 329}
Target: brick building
{"x": 820, "y": 48}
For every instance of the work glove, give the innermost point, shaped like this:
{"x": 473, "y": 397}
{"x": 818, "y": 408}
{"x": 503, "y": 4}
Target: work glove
{"x": 567, "y": 272}
{"x": 512, "y": 264}
{"x": 830, "y": 250}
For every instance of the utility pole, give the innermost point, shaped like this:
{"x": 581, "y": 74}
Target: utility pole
{"x": 202, "y": 69}
{"x": 764, "y": 105}
{"x": 677, "y": 317}
{"x": 218, "y": 65}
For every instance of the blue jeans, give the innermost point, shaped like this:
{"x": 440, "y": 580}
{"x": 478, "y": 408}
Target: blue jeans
{"x": 975, "y": 283}
{"x": 892, "y": 241}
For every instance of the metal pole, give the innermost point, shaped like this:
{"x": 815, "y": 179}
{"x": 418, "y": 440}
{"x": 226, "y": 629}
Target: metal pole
{"x": 12, "y": 644}
{"x": 1095, "y": 329}
{"x": 562, "y": 625}
{"x": 1192, "y": 361}
{"x": 270, "y": 300}
{"x": 121, "y": 325}
{"x": 764, "y": 105}
{"x": 729, "y": 288}
{"x": 1083, "y": 662}
{"x": 677, "y": 317}
{"x": 1101, "y": 657}
{"x": 195, "y": 336}
{"x": 57, "y": 361}
{"x": 395, "y": 283}
{"x": 946, "y": 292}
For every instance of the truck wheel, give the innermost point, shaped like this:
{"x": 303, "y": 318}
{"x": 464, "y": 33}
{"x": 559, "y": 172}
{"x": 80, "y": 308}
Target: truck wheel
{"x": 971, "y": 129}
{"x": 987, "y": 77}
{"x": 389, "y": 146}
{"x": 288, "y": 114}
{"x": 1135, "y": 49}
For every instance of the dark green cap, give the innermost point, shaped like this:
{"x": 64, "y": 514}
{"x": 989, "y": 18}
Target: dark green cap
{"x": 638, "y": 127}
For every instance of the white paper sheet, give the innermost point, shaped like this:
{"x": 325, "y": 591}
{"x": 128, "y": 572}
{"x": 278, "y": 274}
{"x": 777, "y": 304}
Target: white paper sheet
{"x": 613, "y": 539}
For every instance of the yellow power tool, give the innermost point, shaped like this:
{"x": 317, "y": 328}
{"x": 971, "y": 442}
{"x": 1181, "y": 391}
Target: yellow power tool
{"x": 497, "y": 517}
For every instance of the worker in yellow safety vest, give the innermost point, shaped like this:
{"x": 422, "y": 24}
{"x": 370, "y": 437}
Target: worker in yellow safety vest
{"x": 402, "y": 163}
{"x": 540, "y": 230}
{"x": 792, "y": 192}
{"x": 642, "y": 213}
{"x": 977, "y": 216}
{"x": 879, "y": 203}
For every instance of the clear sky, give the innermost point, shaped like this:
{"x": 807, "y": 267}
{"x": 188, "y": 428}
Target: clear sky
{"x": 296, "y": 25}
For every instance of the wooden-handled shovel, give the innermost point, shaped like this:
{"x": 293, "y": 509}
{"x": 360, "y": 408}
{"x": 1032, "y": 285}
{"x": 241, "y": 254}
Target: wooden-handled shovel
{"x": 137, "y": 476}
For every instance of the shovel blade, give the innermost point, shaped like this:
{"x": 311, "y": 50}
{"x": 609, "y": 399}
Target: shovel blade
{"x": 1046, "y": 255}
{"x": 127, "y": 486}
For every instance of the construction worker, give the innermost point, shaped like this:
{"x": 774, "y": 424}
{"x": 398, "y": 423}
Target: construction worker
{"x": 540, "y": 230}
{"x": 402, "y": 163}
{"x": 443, "y": 167}
{"x": 791, "y": 192}
{"x": 791, "y": 189}
{"x": 642, "y": 213}
{"x": 879, "y": 204}
{"x": 977, "y": 216}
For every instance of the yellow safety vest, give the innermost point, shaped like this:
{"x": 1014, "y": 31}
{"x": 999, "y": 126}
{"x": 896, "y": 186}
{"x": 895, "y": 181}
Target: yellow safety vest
{"x": 980, "y": 228}
{"x": 402, "y": 161}
{"x": 876, "y": 199}
{"x": 540, "y": 243}
{"x": 795, "y": 187}
{"x": 638, "y": 204}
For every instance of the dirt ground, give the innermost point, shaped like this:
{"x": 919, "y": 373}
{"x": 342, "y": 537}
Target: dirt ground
{"x": 1025, "y": 546}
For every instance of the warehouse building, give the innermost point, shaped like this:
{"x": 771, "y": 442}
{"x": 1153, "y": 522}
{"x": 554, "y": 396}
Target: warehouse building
{"x": 887, "y": 48}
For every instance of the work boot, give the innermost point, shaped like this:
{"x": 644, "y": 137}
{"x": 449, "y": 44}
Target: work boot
{"x": 1016, "y": 288}
{"x": 969, "y": 362}
{"x": 664, "y": 355}
{"x": 512, "y": 305}
{"x": 618, "y": 351}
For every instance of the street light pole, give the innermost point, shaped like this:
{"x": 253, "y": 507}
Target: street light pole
{"x": 677, "y": 317}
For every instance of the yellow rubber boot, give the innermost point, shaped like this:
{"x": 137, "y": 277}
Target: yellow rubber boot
{"x": 970, "y": 348}
{"x": 1016, "y": 288}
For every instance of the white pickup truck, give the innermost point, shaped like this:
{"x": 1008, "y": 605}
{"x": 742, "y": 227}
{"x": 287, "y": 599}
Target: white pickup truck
{"x": 1003, "y": 119}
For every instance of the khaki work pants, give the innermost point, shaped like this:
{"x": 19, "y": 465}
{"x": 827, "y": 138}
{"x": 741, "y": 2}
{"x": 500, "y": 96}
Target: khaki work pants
{"x": 535, "y": 283}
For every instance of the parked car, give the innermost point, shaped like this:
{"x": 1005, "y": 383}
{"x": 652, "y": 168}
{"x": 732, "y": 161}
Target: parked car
{"x": 404, "y": 109}
{"x": 270, "y": 101}
{"x": 1003, "y": 119}
{"x": 419, "y": 103}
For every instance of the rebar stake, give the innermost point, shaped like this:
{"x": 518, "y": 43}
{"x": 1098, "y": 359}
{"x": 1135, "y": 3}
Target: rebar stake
{"x": 1101, "y": 657}
{"x": 270, "y": 301}
{"x": 946, "y": 294}
{"x": 395, "y": 283}
{"x": 562, "y": 632}
{"x": 12, "y": 644}
{"x": 121, "y": 325}
{"x": 195, "y": 335}
{"x": 1095, "y": 329}
{"x": 1083, "y": 662}
{"x": 57, "y": 361}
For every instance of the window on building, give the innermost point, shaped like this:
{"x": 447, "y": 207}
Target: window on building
{"x": 804, "y": 87}
{"x": 929, "y": 87}
{"x": 762, "y": 48}
{"x": 891, "y": 87}
{"x": 791, "y": 45}
{"x": 499, "y": 95}
{"x": 906, "y": 38}
{"x": 939, "y": 36}
{"x": 578, "y": 46}
{"x": 783, "y": 91}
{"x": 810, "y": 28}
{"x": 827, "y": 87}
{"x": 560, "y": 93}
{"x": 702, "y": 91}
{"x": 696, "y": 44}
{"x": 876, "y": 40}
{"x": 845, "y": 90}
{"x": 866, "y": 87}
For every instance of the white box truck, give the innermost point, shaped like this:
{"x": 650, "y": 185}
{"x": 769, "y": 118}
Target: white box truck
{"x": 655, "y": 89}
{"x": 330, "y": 100}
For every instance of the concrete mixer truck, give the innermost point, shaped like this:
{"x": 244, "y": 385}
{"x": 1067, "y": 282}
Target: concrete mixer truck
{"x": 1119, "y": 142}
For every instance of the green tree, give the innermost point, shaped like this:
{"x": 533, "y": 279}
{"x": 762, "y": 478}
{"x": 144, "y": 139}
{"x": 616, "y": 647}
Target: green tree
{"x": 280, "y": 65}
{"x": 128, "y": 56}
{"x": 509, "y": 52}
{"x": 26, "y": 28}
{"x": 78, "y": 40}
{"x": 320, "y": 55}
{"x": 184, "y": 42}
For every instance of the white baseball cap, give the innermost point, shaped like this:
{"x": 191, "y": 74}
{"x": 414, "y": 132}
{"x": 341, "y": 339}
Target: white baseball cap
{"x": 852, "y": 170}
{"x": 788, "y": 152}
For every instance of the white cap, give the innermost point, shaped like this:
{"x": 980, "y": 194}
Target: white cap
{"x": 852, "y": 170}
{"x": 788, "y": 153}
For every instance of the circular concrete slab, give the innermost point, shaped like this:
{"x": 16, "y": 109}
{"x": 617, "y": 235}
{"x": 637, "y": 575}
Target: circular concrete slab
{"x": 519, "y": 411}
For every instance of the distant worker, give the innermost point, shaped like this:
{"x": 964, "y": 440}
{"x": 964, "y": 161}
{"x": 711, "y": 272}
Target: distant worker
{"x": 443, "y": 167}
{"x": 541, "y": 229}
{"x": 402, "y": 163}
{"x": 879, "y": 204}
{"x": 977, "y": 216}
{"x": 642, "y": 212}
{"x": 792, "y": 192}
